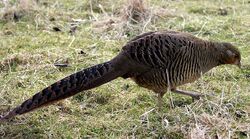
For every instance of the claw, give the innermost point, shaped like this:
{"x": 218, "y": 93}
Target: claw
{"x": 2, "y": 118}
{"x": 197, "y": 96}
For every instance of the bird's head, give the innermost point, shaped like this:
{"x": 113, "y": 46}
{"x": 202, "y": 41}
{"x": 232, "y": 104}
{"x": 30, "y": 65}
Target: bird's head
{"x": 229, "y": 54}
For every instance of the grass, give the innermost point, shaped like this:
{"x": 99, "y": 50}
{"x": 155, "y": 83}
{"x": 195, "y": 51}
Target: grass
{"x": 30, "y": 46}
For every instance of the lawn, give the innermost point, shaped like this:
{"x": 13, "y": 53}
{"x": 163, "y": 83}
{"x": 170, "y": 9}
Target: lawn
{"x": 81, "y": 33}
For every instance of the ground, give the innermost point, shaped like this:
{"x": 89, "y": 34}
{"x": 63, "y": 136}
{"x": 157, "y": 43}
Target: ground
{"x": 44, "y": 33}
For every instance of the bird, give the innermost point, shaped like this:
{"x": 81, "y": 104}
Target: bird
{"x": 156, "y": 60}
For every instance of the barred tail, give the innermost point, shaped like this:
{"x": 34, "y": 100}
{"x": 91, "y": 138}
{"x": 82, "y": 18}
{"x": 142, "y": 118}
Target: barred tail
{"x": 69, "y": 86}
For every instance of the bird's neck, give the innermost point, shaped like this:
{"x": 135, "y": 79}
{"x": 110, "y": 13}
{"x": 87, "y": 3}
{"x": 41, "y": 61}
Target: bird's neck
{"x": 209, "y": 57}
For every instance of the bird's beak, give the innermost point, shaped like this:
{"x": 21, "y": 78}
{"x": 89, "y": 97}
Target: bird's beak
{"x": 238, "y": 63}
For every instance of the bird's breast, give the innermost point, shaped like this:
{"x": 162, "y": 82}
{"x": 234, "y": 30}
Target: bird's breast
{"x": 162, "y": 79}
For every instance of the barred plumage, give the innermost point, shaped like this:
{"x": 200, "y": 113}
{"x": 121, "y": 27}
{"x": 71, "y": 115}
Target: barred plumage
{"x": 154, "y": 60}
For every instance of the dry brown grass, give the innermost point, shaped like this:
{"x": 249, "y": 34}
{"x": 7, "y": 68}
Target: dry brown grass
{"x": 18, "y": 10}
{"x": 135, "y": 11}
{"x": 134, "y": 16}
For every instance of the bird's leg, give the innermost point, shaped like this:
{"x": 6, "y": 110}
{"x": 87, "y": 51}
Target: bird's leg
{"x": 159, "y": 103}
{"x": 171, "y": 102}
{"x": 159, "y": 98}
{"x": 188, "y": 93}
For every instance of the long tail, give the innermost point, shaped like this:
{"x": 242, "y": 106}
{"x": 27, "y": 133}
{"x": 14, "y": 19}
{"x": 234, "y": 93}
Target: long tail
{"x": 69, "y": 86}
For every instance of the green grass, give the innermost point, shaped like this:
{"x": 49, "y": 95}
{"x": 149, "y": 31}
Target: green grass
{"x": 30, "y": 47}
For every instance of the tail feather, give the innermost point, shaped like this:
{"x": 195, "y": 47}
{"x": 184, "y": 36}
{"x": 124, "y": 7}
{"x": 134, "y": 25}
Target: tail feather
{"x": 69, "y": 86}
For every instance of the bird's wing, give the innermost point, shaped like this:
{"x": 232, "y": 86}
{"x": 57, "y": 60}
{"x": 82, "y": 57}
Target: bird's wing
{"x": 157, "y": 49}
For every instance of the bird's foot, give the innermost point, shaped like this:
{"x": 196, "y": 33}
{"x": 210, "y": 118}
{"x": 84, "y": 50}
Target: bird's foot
{"x": 2, "y": 118}
{"x": 197, "y": 96}
{"x": 194, "y": 95}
